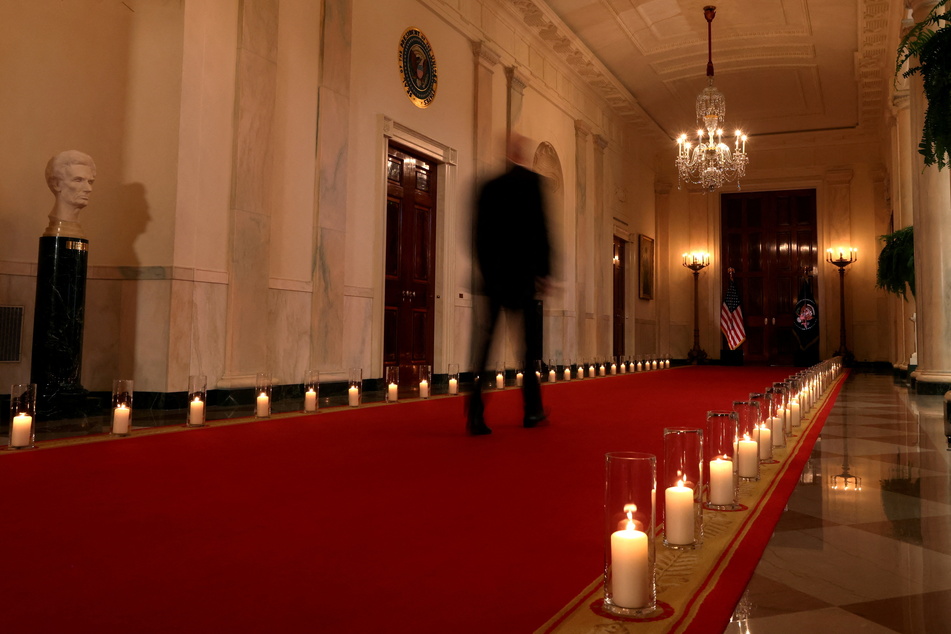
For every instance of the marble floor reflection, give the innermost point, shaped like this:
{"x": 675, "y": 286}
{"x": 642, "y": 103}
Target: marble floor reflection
{"x": 864, "y": 544}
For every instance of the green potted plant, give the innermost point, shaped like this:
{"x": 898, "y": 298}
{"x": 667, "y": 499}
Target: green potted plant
{"x": 927, "y": 49}
{"x": 896, "y": 263}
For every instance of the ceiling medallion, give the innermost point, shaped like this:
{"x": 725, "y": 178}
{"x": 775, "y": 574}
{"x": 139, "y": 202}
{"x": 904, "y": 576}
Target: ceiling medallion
{"x": 711, "y": 162}
{"x": 417, "y": 67}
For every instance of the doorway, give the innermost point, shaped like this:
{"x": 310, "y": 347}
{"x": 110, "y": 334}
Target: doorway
{"x": 410, "y": 264}
{"x": 769, "y": 239}
{"x": 620, "y": 259}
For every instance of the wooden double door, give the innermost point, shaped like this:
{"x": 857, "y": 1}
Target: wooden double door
{"x": 769, "y": 239}
{"x": 410, "y": 264}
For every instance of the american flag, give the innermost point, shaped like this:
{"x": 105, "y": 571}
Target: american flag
{"x": 731, "y": 318}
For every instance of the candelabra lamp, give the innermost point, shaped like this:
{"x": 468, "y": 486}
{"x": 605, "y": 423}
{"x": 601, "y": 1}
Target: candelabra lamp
{"x": 696, "y": 262}
{"x": 844, "y": 259}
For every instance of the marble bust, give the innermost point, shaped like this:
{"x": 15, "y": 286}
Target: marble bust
{"x": 70, "y": 176}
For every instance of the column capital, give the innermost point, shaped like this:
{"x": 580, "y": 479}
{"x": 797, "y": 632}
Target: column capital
{"x": 839, "y": 177}
{"x": 582, "y": 129}
{"x": 517, "y": 80}
{"x": 600, "y": 142}
{"x": 485, "y": 56}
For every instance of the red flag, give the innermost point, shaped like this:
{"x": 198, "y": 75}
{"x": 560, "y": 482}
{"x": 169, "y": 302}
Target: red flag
{"x": 731, "y": 318}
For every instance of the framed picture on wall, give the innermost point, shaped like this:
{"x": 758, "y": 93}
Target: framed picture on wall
{"x": 645, "y": 266}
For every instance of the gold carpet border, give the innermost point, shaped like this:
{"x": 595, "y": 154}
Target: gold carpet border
{"x": 684, "y": 578}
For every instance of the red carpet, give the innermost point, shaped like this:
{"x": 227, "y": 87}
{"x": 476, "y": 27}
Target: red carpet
{"x": 377, "y": 519}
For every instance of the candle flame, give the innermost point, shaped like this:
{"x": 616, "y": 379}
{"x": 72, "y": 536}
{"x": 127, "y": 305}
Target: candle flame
{"x": 680, "y": 482}
{"x": 198, "y": 399}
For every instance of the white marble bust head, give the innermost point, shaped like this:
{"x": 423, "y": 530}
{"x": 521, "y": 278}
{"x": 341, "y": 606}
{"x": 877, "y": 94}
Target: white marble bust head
{"x": 70, "y": 176}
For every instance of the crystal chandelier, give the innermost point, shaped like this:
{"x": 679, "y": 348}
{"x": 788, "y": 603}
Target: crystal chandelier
{"x": 710, "y": 162}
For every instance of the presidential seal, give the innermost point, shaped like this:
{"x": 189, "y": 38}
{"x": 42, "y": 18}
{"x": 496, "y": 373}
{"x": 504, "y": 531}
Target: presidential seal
{"x": 418, "y": 68}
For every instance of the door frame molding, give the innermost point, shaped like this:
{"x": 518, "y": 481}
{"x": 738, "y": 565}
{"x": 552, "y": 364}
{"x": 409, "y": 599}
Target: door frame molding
{"x": 445, "y": 159}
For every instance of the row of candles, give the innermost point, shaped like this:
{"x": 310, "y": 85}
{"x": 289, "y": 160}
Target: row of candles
{"x": 23, "y": 396}
{"x": 732, "y": 448}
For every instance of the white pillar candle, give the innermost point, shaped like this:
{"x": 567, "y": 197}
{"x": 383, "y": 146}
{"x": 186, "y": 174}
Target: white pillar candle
{"x": 518, "y": 379}
{"x": 630, "y": 578}
{"x": 567, "y": 374}
{"x": 678, "y": 514}
{"x": 20, "y": 432}
{"x": 392, "y": 392}
{"x": 551, "y": 376}
{"x": 538, "y": 375}
{"x": 613, "y": 368}
{"x": 602, "y": 371}
{"x": 778, "y": 430}
{"x": 667, "y": 364}
{"x": 654, "y": 364}
{"x": 196, "y": 412}
{"x": 453, "y": 386}
{"x": 424, "y": 389}
{"x": 310, "y": 400}
{"x": 721, "y": 482}
{"x": 591, "y": 372}
{"x": 640, "y": 366}
{"x": 500, "y": 380}
{"x": 795, "y": 412}
{"x": 623, "y": 368}
{"x": 580, "y": 372}
{"x": 120, "y": 419}
{"x": 353, "y": 395}
{"x": 748, "y": 457}
{"x": 263, "y": 405}
{"x": 765, "y": 441}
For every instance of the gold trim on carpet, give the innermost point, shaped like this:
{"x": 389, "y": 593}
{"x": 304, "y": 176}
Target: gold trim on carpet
{"x": 685, "y": 577}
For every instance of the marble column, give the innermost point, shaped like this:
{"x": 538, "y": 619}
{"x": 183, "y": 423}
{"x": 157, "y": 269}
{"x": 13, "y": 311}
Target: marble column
{"x": 246, "y": 351}
{"x": 602, "y": 252}
{"x": 333, "y": 123}
{"x": 583, "y": 246}
{"x": 903, "y": 205}
{"x": 516, "y": 82}
{"x": 487, "y": 157}
{"x": 59, "y": 317}
{"x": 932, "y": 220}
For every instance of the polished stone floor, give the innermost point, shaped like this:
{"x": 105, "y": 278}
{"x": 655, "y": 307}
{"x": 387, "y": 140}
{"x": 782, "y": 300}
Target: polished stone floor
{"x": 874, "y": 558}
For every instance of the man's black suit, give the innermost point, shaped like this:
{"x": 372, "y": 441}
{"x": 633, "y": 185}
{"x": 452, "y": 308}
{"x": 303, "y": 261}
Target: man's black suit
{"x": 513, "y": 252}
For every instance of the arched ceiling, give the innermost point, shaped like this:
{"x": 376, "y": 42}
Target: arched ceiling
{"x": 784, "y": 65}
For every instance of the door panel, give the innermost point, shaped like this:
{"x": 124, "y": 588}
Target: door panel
{"x": 409, "y": 295}
{"x": 768, "y": 239}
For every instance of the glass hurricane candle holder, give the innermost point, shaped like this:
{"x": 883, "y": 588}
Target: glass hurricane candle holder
{"x": 721, "y": 463}
{"x": 579, "y": 373}
{"x": 425, "y": 380}
{"x": 311, "y": 390}
{"x": 355, "y": 387}
{"x": 592, "y": 369}
{"x": 682, "y": 483}
{"x": 121, "y": 407}
{"x": 453, "y": 371}
{"x": 622, "y": 365}
{"x": 500, "y": 376}
{"x": 392, "y": 383}
{"x": 747, "y": 448}
{"x": 22, "y": 416}
{"x": 630, "y": 486}
{"x": 566, "y": 370}
{"x": 552, "y": 371}
{"x": 519, "y": 377}
{"x": 197, "y": 398}
{"x": 262, "y": 395}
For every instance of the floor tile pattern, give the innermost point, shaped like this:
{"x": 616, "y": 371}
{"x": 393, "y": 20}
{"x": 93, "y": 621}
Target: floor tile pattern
{"x": 873, "y": 555}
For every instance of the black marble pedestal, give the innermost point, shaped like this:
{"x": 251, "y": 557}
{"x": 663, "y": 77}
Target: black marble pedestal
{"x": 58, "y": 328}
